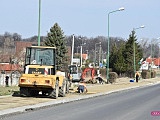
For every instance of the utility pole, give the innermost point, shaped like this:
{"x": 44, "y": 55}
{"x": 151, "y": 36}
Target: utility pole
{"x": 72, "y": 50}
{"x": 39, "y": 22}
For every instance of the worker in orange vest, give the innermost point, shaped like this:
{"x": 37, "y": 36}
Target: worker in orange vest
{"x": 82, "y": 87}
{"x": 137, "y": 75}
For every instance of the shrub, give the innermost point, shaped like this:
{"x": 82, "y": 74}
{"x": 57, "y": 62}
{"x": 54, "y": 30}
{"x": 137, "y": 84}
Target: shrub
{"x": 112, "y": 77}
{"x": 148, "y": 74}
{"x": 153, "y": 74}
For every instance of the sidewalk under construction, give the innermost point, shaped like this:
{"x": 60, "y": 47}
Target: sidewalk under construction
{"x": 11, "y": 104}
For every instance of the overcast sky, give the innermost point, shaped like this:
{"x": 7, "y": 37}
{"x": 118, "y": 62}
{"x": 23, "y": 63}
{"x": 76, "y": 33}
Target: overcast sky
{"x": 81, "y": 17}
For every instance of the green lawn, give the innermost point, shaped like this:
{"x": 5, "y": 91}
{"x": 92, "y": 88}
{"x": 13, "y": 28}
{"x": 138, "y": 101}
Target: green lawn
{"x": 8, "y": 90}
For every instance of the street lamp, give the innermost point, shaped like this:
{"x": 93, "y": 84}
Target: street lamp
{"x": 95, "y": 53}
{"x": 39, "y": 22}
{"x": 87, "y": 54}
{"x": 134, "y": 58}
{"x": 100, "y": 54}
{"x": 103, "y": 56}
{"x": 81, "y": 50}
{"x": 72, "y": 50}
{"x": 77, "y": 48}
{"x": 107, "y": 63}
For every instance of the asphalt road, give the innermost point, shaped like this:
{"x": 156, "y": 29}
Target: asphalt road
{"x": 135, "y": 104}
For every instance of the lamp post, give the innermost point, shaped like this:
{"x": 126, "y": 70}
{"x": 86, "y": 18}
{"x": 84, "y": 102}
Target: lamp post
{"x": 81, "y": 50}
{"x": 81, "y": 55}
{"x": 100, "y": 53}
{"x": 72, "y": 50}
{"x": 87, "y": 54}
{"x": 39, "y": 22}
{"x": 95, "y": 53}
{"x": 103, "y": 56}
{"x": 107, "y": 62}
{"x": 77, "y": 49}
{"x": 134, "y": 58}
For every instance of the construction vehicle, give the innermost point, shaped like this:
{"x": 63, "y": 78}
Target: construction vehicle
{"x": 88, "y": 75}
{"x": 75, "y": 73}
{"x": 41, "y": 74}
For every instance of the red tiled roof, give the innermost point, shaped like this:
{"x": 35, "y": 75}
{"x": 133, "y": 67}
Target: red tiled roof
{"x": 156, "y": 61}
{"x": 9, "y": 67}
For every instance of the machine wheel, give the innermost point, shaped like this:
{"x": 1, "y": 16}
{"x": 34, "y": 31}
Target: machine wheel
{"x": 25, "y": 91}
{"x": 55, "y": 91}
{"x": 34, "y": 93}
{"x": 62, "y": 90}
{"x": 44, "y": 92}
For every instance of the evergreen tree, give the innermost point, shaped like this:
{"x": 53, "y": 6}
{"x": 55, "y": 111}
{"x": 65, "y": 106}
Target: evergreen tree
{"x": 117, "y": 61}
{"x": 55, "y": 38}
{"x": 112, "y": 57}
{"x": 129, "y": 54}
{"x": 120, "y": 65}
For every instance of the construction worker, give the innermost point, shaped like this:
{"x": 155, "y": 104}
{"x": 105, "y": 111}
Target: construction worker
{"x": 99, "y": 78}
{"x": 69, "y": 77}
{"x": 137, "y": 75}
{"x": 82, "y": 87}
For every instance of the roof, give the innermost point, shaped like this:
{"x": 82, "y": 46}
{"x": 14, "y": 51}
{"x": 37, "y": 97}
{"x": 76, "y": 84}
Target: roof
{"x": 156, "y": 61}
{"x": 9, "y": 67}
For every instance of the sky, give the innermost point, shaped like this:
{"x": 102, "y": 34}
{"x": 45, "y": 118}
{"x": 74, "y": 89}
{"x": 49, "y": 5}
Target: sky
{"x": 87, "y": 18}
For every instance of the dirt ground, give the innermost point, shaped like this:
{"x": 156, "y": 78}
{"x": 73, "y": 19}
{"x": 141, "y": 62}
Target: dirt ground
{"x": 119, "y": 84}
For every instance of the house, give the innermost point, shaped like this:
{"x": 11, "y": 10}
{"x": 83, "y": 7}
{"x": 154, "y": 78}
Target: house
{"x": 7, "y": 68}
